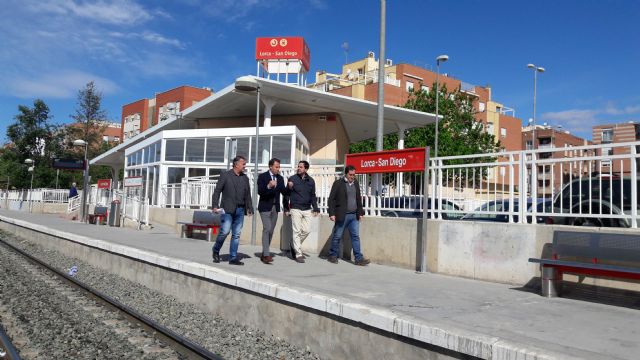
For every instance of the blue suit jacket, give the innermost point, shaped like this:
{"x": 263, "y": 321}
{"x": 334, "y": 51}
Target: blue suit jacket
{"x": 268, "y": 197}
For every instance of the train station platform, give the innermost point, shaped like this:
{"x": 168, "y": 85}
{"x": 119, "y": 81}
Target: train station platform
{"x": 461, "y": 316}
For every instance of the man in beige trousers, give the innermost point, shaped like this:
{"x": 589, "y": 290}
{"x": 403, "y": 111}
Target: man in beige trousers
{"x": 301, "y": 204}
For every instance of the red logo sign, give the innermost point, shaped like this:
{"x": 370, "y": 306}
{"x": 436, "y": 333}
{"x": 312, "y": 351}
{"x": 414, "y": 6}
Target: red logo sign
{"x": 104, "y": 184}
{"x": 283, "y": 48}
{"x": 391, "y": 161}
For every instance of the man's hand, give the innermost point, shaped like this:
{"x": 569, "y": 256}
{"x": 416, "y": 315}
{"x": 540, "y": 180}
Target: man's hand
{"x": 286, "y": 213}
{"x": 272, "y": 184}
{"x": 215, "y": 210}
{"x": 332, "y": 218}
{"x": 290, "y": 184}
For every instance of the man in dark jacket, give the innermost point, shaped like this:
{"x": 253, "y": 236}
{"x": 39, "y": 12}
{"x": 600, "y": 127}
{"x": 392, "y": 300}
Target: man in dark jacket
{"x": 234, "y": 187}
{"x": 345, "y": 208}
{"x": 301, "y": 203}
{"x": 270, "y": 186}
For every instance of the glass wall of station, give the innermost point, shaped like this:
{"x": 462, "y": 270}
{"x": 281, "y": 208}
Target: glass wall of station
{"x": 176, "y": 155}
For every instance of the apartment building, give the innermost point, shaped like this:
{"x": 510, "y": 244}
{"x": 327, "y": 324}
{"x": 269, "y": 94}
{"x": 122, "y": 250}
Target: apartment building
{"x": 560, "y": 143}
{"x": 145, "y": 113}
{"x": 359, "y": 79}
{"x": 110, "y": 132}
{"x": 616, "y": 134}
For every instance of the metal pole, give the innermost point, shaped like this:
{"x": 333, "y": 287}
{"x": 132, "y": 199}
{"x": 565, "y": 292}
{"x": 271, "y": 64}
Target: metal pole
{"x": 437, "y": 104}
{"x": 33, "y": 169}
{"x": 381, "y": 76}
{"x": 535, "y": 81}
{"x": 254, "y": 196}
{"x": 425, "y": 206}
{"x": 57, "y": 174}
{"x": 85, "y": 184}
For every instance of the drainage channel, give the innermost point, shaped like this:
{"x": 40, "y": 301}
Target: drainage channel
{"x": 154, "y": 340}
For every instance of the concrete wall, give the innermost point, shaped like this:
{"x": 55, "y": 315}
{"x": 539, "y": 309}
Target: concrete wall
{"x": 37, "y": 207}
{"x": 486, "y": 251}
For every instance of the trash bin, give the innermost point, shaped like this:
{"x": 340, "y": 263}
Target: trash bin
{"x": 114, "y": 214}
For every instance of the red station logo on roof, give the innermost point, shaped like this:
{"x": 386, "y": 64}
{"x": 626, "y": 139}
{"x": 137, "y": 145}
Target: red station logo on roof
{"x": 283, "y": 48}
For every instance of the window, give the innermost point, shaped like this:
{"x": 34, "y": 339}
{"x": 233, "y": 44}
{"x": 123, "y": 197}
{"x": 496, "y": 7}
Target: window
{"x": 116, "y": 138}
{"x": 529, "y": 144}
{"x": 409, "y": 86}
{"x": 174, "y": 175}
{"x": 197, "y": 172}
{"x": 174, "y": 150}
{"x": 282, "y": 149}
{"x": 503, "y": 132}
{"x": 243, "y": 148}
{"x": 607, "y": 136}
{"x": 215, "y": 150}
{"x": 105, "y": 138}
{"x": 425, "y": 88}
{"x": 490, "y": 127}
{"x": 195, "y": 150}
{"x": 481, "y": 106}
{"x": 264, "y": 147}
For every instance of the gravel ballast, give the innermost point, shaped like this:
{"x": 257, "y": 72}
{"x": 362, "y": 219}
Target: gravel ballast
{"x": 229, "y": 340}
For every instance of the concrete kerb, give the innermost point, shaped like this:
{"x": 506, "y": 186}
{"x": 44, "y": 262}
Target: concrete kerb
{"x": 453, "y": 339}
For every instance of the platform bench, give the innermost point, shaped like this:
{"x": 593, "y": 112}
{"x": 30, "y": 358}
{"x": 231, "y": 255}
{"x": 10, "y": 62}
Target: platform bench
{"x": 202, "y": 221}
{"x": 589, "y": 253}
{"x": 99, "y": 215}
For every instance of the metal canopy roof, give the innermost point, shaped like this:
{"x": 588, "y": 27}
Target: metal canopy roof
{"x": 359, "y": 117}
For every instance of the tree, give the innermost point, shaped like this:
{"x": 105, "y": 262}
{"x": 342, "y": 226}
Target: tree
{"x": 90, "y": 118}
{"x": 459, "y": 133}
{"x": 31, "y": 137}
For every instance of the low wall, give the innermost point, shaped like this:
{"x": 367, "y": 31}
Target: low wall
{"x": 488, "y": 251}
{"x": 36, "y": 207}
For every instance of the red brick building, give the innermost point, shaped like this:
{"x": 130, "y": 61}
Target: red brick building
{"x": 616, "y": 134}
{"x": 145, "y": 113}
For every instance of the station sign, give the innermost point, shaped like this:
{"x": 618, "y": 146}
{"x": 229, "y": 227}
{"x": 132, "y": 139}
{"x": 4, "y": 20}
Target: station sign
{"x": 68, "y": 164}
{"x": 104, "y": 184}
{"x": 283, "y": 48}
{"x": 133, "y": 181}
{"x": 405, "y": 160}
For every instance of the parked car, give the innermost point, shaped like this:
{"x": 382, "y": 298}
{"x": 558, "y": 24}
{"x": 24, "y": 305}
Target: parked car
{"x": 503, "y": 206}
{"x": 598, "y": 197}
{"x": 410, "y": 207}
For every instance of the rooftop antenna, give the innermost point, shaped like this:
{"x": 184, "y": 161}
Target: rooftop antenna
{"x": 345, "y": 47}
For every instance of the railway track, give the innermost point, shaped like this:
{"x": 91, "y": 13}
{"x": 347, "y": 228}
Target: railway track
{"x": 107, "y": 326}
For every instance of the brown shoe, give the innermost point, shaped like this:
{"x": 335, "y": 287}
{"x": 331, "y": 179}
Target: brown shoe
{"x": 362, "y": 262}
{"x": 266, "y": 259}
{"x": 333, "y": 259}
{"x": 300, "y": 260}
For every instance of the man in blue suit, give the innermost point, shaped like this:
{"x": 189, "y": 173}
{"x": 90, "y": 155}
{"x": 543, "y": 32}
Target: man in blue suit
{"x": 270, "y": 187}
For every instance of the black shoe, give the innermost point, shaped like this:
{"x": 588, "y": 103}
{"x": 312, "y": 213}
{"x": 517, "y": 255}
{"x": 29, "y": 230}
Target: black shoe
{"x": 333, "y": 259}
{"x": 236, "y": 262}
{"x": 362, "y": 262}
{"x": 300, "y": 259}
{"x": 216, "y": 257}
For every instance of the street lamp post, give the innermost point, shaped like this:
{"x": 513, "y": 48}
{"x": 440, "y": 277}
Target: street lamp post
{"x": 31, "y": 170}
{"x": 85, "y": 180}
{"x": 250, "y": 84}
{"x": 439, "y": 59}
{"x": 536, "y": 70}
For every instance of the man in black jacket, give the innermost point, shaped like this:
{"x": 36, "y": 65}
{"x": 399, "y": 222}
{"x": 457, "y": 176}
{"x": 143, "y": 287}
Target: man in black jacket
{"x": 234, "y": 187}
{"x": 270, "y": 186}
{"x": 301, "y": 202}
{"x": 345, "y": 208}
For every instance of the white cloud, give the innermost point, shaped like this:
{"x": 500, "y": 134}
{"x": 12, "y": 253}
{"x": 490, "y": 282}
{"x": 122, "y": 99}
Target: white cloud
{"x": 120, "y": 12}
{"x": 581, "y": 120}
{"x": 62, "y": 85}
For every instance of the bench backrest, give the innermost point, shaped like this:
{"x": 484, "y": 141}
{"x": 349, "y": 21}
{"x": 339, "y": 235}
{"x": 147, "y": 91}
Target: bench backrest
{"x": 206, "y": 217}
{"x": 594, "y": 245}
{"x": 100, "y": 210}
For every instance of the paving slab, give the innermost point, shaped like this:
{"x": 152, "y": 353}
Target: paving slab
{"x": 490, "y": 320}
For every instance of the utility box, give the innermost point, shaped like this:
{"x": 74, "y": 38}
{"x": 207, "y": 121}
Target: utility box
{"x": 114, "y": 214}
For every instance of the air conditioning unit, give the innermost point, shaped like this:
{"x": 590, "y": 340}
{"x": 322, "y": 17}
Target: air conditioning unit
{"x": 389, "y": 62}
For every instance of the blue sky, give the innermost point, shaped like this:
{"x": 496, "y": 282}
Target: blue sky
{"x": 132, "y": 49}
